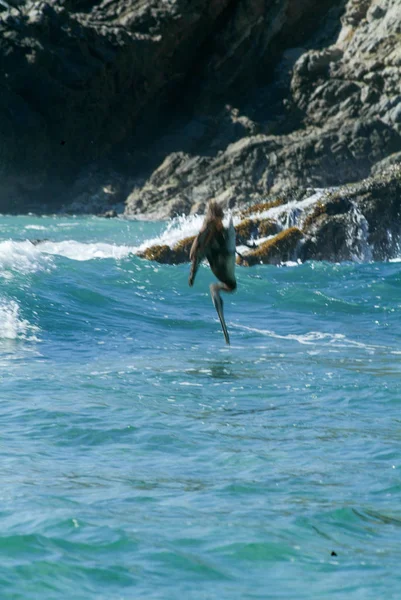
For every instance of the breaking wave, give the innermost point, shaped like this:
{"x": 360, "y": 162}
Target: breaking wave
{"x": 20, "y": 257}
{"x": 12, "y": 325}
{"x": 89, "y": 251}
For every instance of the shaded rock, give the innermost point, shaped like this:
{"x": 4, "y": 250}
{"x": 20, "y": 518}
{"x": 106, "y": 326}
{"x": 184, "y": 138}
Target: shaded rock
{"x": 393, "y": 160}
{"x": 245, "y": 231}
{"x": 182, "y": 249}
{"x": 361, "y": 221}
{"x": 109, "y": 214}
{"x": 165, "y": 105}
{"x": 66, "y": 104}
{"x": 330, "y": 240}
{"x": 333, "y": 205}
{"x": 339, "y": 116}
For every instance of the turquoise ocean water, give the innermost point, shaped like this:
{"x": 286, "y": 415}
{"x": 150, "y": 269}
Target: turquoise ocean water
{"x": 143, "y": 458}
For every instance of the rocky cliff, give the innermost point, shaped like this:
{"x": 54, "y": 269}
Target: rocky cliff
{"x": 155, "y": 106}
{"x": 331, "y": 111}
{"x": 159, "y": 105}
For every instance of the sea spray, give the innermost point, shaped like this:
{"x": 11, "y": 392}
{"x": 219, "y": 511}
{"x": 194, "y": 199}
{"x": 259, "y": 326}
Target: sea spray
{"x": 12, "y": 325}
{"x": 20, "y": 257}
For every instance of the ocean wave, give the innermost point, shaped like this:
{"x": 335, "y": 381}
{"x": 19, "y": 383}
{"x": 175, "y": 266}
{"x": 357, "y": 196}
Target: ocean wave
{"x": 22, "y": 257}
{"x": 12, "y": 325}
{"x": 80, "y": 251}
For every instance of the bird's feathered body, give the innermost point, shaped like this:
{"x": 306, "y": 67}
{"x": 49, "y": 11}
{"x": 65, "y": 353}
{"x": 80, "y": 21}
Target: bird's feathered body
{"x": 216, "y": 243}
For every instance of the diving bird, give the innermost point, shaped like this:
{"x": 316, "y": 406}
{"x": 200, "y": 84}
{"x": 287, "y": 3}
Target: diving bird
{"x": 216, "y": 243}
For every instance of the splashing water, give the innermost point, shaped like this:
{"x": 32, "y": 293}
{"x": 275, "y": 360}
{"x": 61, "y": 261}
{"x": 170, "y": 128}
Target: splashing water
{"x": 357, "y": 236}
{"x": 20, "y": 257}
{"x": 12, "y": 326}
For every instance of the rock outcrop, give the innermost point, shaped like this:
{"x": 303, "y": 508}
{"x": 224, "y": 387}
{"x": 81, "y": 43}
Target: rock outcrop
{"x": 355, "y": 222}
{"x": 154, "y": 107}
{"x": 331, "y": 113}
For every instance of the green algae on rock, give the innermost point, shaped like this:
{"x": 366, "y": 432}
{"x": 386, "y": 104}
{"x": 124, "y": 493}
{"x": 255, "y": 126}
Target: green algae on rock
{"x": 276, "y": 250}
{"x": 162, "y": 253}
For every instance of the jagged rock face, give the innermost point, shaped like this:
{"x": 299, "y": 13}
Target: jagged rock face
{"x": 342, "y": 104}
{"x": 357, "y": 222}
{"x": 79, "y": 77}
{"x": 166, "y": 104}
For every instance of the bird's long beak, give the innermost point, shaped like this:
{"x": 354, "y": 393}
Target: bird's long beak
{"x": 218, "y": 304}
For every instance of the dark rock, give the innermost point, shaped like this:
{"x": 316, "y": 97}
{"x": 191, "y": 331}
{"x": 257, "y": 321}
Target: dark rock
{"x": 255, "y": 228}
{"x": 361, "y": 221}
{"x": 109, "y": 214}
{"x": 281, "y": 248}
{"x": 165, "y": 105}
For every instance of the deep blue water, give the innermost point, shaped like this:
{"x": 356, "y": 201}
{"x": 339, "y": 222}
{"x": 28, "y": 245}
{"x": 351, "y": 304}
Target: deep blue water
{"x": 143, "y": 458}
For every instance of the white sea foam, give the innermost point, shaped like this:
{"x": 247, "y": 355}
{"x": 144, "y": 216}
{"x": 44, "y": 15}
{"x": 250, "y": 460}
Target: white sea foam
{"x": 26, "y": 257}
{"x": 12, "y": 326}
{"x": 36, "y": 227}
{"x": 293, "y": 213}
{"x": 21, "y": 257}
{"x": 79, "y": 251}
{"x": 177, "y": 229}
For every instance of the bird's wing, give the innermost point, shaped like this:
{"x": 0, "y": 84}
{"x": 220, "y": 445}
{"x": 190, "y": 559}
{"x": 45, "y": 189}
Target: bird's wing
{"x": 196, "y": 254}
{"x": 230, "y": 237}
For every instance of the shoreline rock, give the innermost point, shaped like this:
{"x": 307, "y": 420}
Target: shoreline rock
{"x": 343, "y": 224}
{"x": 161, "y": 107}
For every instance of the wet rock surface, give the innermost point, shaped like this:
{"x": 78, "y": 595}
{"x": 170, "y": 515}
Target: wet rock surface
{"x": 354, "y": 222}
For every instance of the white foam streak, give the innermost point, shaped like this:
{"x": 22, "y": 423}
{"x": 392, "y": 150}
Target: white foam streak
{"x": 79, "y": 251}
{"x": 292, "y": 213}
{"x": 310, "y": 338}
{"x": 36, "y": 227}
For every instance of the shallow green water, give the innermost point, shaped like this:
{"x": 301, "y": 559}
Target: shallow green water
{"x": 143, "y": 458}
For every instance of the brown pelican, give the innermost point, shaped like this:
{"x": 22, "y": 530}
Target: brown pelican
{"x": 217, "y": 244}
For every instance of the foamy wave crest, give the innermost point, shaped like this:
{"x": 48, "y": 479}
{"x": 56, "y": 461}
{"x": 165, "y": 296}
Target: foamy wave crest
{"x": 80, "y": 251}
{"x": 286, "y": 215}
{"x": 177, "y": 229}
{"x": 12, "y": 326}
{"x": 180, "y": 228}
{"x": 21, "y": 257}
{"x": 293, "y": 213}
{"x": 36, "y": 227}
